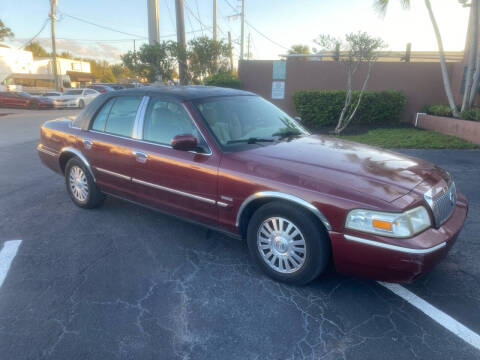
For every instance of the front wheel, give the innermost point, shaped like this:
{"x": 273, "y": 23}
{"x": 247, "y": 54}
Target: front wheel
{"x": 81, "y": 104}
{"x": 80, "y": 185}
{"x": 288, "y": 243}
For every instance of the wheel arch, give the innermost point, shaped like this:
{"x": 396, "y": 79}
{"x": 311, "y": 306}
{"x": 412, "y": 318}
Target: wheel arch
{"x": 67, "y": 153}
{"x": 253, "y": 202}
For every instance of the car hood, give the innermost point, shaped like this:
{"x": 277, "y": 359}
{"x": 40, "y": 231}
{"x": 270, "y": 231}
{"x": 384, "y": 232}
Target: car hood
{"x": 341, "y": 167}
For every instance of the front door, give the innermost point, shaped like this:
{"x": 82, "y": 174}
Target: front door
{"x": 181, "y": 182}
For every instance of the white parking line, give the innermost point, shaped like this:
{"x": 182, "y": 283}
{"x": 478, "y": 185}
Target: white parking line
{"x": 439, "y": 316}
{"x": 7, "y": 254}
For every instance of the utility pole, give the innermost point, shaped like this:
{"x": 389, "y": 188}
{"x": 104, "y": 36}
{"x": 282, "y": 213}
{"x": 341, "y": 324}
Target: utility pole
{"x": 230, "y": 50}
{"x": 53, "y": 3}
{"x": 248, "y": 47}
{"x": 134, "y": 47}
{"x": 182, "y": 59}
{"x": 153, "y": 31}
{"x": 215, "y": 20}
{"x": 242, "y": 41}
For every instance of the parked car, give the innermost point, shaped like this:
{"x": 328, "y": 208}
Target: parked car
{"x": 111, "y": 85}
{"x": 21, "y": 99}
{"x": 75, "y": 98}
{"x": 101, "y": 88}
{"x": 52, "y": 94}
{"x": 231, "y": 160}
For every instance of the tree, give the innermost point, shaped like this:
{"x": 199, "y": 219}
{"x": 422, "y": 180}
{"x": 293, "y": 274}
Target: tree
{"x": 121, "y": 72}
{"x": 66, "y": 55}
{"x": 154, "y": 62}
{"x": 299, "y": 49}
{"x": 5, "y": 32}
{"x": 101, "y": 71}
{"x": 37, "y": 49}
{"x": 381, "y": 6}
{"x": 357, "y": 49}
{"x": 206, "y": 57}
{"x": 472, "y": 76}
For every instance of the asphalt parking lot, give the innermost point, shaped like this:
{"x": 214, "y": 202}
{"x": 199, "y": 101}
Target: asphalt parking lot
{"x": 124, "y": 282}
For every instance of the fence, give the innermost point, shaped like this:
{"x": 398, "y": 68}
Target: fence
{"x": 420, "y": 81}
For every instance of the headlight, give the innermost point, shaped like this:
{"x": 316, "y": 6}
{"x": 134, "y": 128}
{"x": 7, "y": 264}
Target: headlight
{"x": 401, "y": 225}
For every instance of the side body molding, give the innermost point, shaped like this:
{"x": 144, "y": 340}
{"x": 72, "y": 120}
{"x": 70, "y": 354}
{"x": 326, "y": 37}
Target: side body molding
{"x": 78, "y": 154}
{"x": 287, "y": 197}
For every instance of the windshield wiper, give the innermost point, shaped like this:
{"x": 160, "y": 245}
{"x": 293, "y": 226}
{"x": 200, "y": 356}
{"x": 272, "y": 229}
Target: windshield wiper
{"x": 252, "y": 140}
{"x": 287, "y": 133}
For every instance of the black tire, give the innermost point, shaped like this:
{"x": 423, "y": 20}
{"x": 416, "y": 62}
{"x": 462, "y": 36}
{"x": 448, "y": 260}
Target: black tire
{"x": 94, "y": 197}
{"x": 81, "y": 104}
{"x": 317, "y": 243}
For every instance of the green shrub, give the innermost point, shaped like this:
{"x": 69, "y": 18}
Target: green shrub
{"x": 322, "y": 108}
{"x": 438, "y": 110}
{"x": 472, "y": 115}
{"x": 227, "y": 80}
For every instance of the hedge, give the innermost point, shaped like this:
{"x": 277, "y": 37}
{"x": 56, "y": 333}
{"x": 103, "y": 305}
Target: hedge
{"x": 227, "y": 80}
{"x": 319, "y": 108}
{"x": 445, "y": 110}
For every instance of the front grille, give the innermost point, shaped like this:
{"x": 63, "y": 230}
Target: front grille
{"x": 443, "y": 203}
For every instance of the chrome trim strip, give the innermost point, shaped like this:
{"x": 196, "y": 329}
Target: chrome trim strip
{"x": 121, "y": 176}
{"x": 173, "y": 191}
{"x": 226, "y": 198}
{"x": 81, "y": 157}
{"x": 394, "y": 247}
{"x": 137, "y": 132}
{"x": 222, "y": 204}
{"x": 288, "y": 197}
{"x": 41, "y": 149}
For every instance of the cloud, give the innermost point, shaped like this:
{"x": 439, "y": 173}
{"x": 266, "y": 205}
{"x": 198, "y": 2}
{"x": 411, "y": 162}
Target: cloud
{"x": 94, "y": 50}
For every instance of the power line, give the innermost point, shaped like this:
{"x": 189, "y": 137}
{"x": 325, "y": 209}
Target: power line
{"x": 38, "y": 33}
{"x": 258, "y": 31}
{"x": 100, "y": 26}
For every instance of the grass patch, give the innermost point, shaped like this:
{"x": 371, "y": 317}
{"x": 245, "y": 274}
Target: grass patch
{"x": 409, "y": 138}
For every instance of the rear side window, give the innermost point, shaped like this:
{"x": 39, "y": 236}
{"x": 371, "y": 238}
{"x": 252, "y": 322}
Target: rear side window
{"x": 122, "y": 115}
{"x": 102, "y": 115}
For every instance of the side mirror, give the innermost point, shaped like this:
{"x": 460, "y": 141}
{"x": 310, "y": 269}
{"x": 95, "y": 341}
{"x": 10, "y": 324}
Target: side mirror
{"x": 298, "y": 119}
{"x": 184, "y": 142}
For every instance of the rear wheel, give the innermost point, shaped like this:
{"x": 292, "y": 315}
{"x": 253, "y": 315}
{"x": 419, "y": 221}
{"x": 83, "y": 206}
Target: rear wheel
{"x": 80, "y": 185}
{"x": 288, "y": 243}
{"x": 33, "y": 105}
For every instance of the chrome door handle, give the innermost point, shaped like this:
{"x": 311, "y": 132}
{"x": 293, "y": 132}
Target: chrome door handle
{"x": 141, "y": 156}
{"x": 87, "y": 143}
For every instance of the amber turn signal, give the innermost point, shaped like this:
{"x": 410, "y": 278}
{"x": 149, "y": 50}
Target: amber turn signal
{"x": 382, "y": 225}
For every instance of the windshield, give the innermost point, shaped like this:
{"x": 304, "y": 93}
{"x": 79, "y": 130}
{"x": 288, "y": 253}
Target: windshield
{"x": 25, "y": 94}
{"x": 73, "y": 92}
{"x": 247, "y": 119}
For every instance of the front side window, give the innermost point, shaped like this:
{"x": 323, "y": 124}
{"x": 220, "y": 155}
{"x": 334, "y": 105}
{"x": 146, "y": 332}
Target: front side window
{"x": 117, "y": 116}
{"x": 165, "y": 119}
{"x": 247, "y": 120}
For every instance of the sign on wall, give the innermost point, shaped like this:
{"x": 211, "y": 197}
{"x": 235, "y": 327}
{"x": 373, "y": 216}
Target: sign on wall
{"x": 278, "y": 90}
{"x": 279, "y": 70}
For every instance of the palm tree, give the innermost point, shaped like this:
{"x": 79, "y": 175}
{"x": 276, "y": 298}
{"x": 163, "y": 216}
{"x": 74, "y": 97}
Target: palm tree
{"x": 381, "y": 6}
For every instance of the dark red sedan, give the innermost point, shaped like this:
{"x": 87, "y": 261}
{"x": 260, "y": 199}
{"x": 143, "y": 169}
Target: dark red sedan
{"x": 232, "y": 161}
{"x": 20, "y": 99}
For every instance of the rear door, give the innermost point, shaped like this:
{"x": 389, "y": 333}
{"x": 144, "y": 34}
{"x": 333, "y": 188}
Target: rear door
{"x": 109, "y": 144}
{"x": 182, "y": 182}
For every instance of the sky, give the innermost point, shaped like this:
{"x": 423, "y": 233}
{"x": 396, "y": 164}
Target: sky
{"x": 281, "y": 23}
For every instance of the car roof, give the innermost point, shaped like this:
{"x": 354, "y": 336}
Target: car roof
{"x": 185, "y": 93}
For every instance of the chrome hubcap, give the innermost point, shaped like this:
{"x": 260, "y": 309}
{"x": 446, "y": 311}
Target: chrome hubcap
{"x": 281, "y": 245}
{"x": 78, "y": 184}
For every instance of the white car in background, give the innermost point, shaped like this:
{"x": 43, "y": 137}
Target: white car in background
{"x": 75, "y": 98}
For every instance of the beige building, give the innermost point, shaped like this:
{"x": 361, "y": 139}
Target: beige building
{"x": 19, "y": 67}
